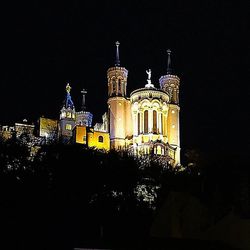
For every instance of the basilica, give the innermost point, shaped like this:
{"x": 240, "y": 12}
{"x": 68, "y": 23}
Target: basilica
{"x": 146, "y": 122}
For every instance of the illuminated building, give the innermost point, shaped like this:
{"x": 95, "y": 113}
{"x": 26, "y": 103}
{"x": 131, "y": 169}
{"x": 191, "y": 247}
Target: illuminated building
{"x": 48, "y": 128}
{"x": 24, "y": 128}
{"x": 147, "y": 122}
{"x": 144, "y": 123}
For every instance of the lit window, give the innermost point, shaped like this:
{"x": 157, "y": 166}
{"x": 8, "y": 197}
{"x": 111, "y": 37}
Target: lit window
{"x": 159, "y": 150}
{"x": 100, "y": 138}
{"x": 73, "y": 115}
{"x": 119, "y": 86}
{"x": 120, "y": 103}
{"x": 68, "y": 127}
{"x": 114, "y": 86}
{"x": 68, "y": 115}
{"x": 173, "y": 111}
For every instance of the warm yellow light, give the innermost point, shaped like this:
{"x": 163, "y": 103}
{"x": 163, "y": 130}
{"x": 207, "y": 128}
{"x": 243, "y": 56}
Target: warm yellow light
{"x": 173, "y": 126}
{"x": 173, "y": 111}
{"x": 68, "y": 127}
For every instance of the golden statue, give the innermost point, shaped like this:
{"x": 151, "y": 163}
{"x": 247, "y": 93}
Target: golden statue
{"x": 68, "y": 88}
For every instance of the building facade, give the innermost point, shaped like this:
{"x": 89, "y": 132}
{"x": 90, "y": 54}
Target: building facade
{"x": 145, "y": 123}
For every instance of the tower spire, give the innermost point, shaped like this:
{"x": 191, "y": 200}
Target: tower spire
{"x": 117, "y": 59}
{"x": 169, "y": 69}
{"x": 84, "y": 92}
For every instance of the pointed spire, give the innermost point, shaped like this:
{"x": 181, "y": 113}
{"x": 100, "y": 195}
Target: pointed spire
{"x": 84, "y": 92}
{"x": 117, "y": 59}
{"x": 169, "y": 69}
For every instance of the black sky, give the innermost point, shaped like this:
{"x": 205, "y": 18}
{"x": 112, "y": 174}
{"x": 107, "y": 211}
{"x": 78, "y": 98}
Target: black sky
{"x": 44, "y": 46}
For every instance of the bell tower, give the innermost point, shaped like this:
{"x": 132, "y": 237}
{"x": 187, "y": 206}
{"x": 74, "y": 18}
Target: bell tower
{"x": 170, "y": 84}
{"x": 67, "y": 118}
{"x": 118, "y": 104}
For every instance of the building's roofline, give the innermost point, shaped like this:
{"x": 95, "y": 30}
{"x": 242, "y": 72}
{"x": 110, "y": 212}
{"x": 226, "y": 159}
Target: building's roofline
{"x": 147, "y": 89}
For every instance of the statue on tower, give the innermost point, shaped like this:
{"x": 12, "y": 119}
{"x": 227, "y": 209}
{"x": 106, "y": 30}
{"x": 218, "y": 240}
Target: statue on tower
{"x": 149, "y": 84}
{"x": 149, "y": 76}
{"x": 68, "y": 88}
{"x": 69, "y": 102}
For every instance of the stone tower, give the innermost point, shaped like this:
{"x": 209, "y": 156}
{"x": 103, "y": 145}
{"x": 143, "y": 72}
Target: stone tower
{"x": 119, "y": 105}
{"x": 67, "y": 118}
{"x": 170, "y": 84}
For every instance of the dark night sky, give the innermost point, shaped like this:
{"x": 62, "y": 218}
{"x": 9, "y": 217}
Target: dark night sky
{"x": 46, "y": 45}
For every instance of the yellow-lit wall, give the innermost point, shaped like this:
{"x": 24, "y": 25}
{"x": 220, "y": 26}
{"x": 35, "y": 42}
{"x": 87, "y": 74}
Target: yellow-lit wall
{"x": 129, "y": 123}
{"x": 80, "y": 134}
{"x": 173, "y": 129}
{"x": 93, "y": 139}
{"x": 117, "y": 112}
{"x": 47, "y": 126}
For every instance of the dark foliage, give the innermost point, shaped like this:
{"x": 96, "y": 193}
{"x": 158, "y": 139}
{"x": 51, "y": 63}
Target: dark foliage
{"x": 69, "y": 196}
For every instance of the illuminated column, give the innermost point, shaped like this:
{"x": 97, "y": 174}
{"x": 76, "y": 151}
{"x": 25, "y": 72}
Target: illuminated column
{"x": 159, "y": 122}
{"x": 135, "y": 123}
{"x": 143, "y": 125}
{"x": 150, "y": 120}
{"x": 141, "y": 122}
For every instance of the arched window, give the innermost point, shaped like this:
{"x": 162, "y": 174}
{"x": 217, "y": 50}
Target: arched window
{"x": 159, "y": 150}
{"x": 119, "y": 86}
{"x": 113, "y": 87}
{"x": 146, "y": 121}
{"x": 139, "y": 123}
{"x": 100, "y": 138}
{"x": 154, "y": 121}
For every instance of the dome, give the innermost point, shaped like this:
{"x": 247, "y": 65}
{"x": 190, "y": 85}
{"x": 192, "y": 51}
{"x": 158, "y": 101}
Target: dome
{"x": 150, "y": 94}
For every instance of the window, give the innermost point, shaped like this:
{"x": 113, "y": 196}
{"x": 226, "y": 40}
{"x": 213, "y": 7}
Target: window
{"x": 68, "y": 115}
{"x": 68, "y": 126}
{"x": 84, "y": 138}
{"x": 154, "y": 121}
{"x": 100, "y": 138}
{"x": 63, "y": 114}
{"x": 119, "y": 86}
{"x": 158, "y": 150}
{"x": 146, "y": 121}
{"x": 113, "y": 86}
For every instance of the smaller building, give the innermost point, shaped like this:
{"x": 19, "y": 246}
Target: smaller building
{"x": 6, "y": 132}
{"x": 48, "y": 128}
{"x": 91, "y": 138}
{"x": 24, "y": 128}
